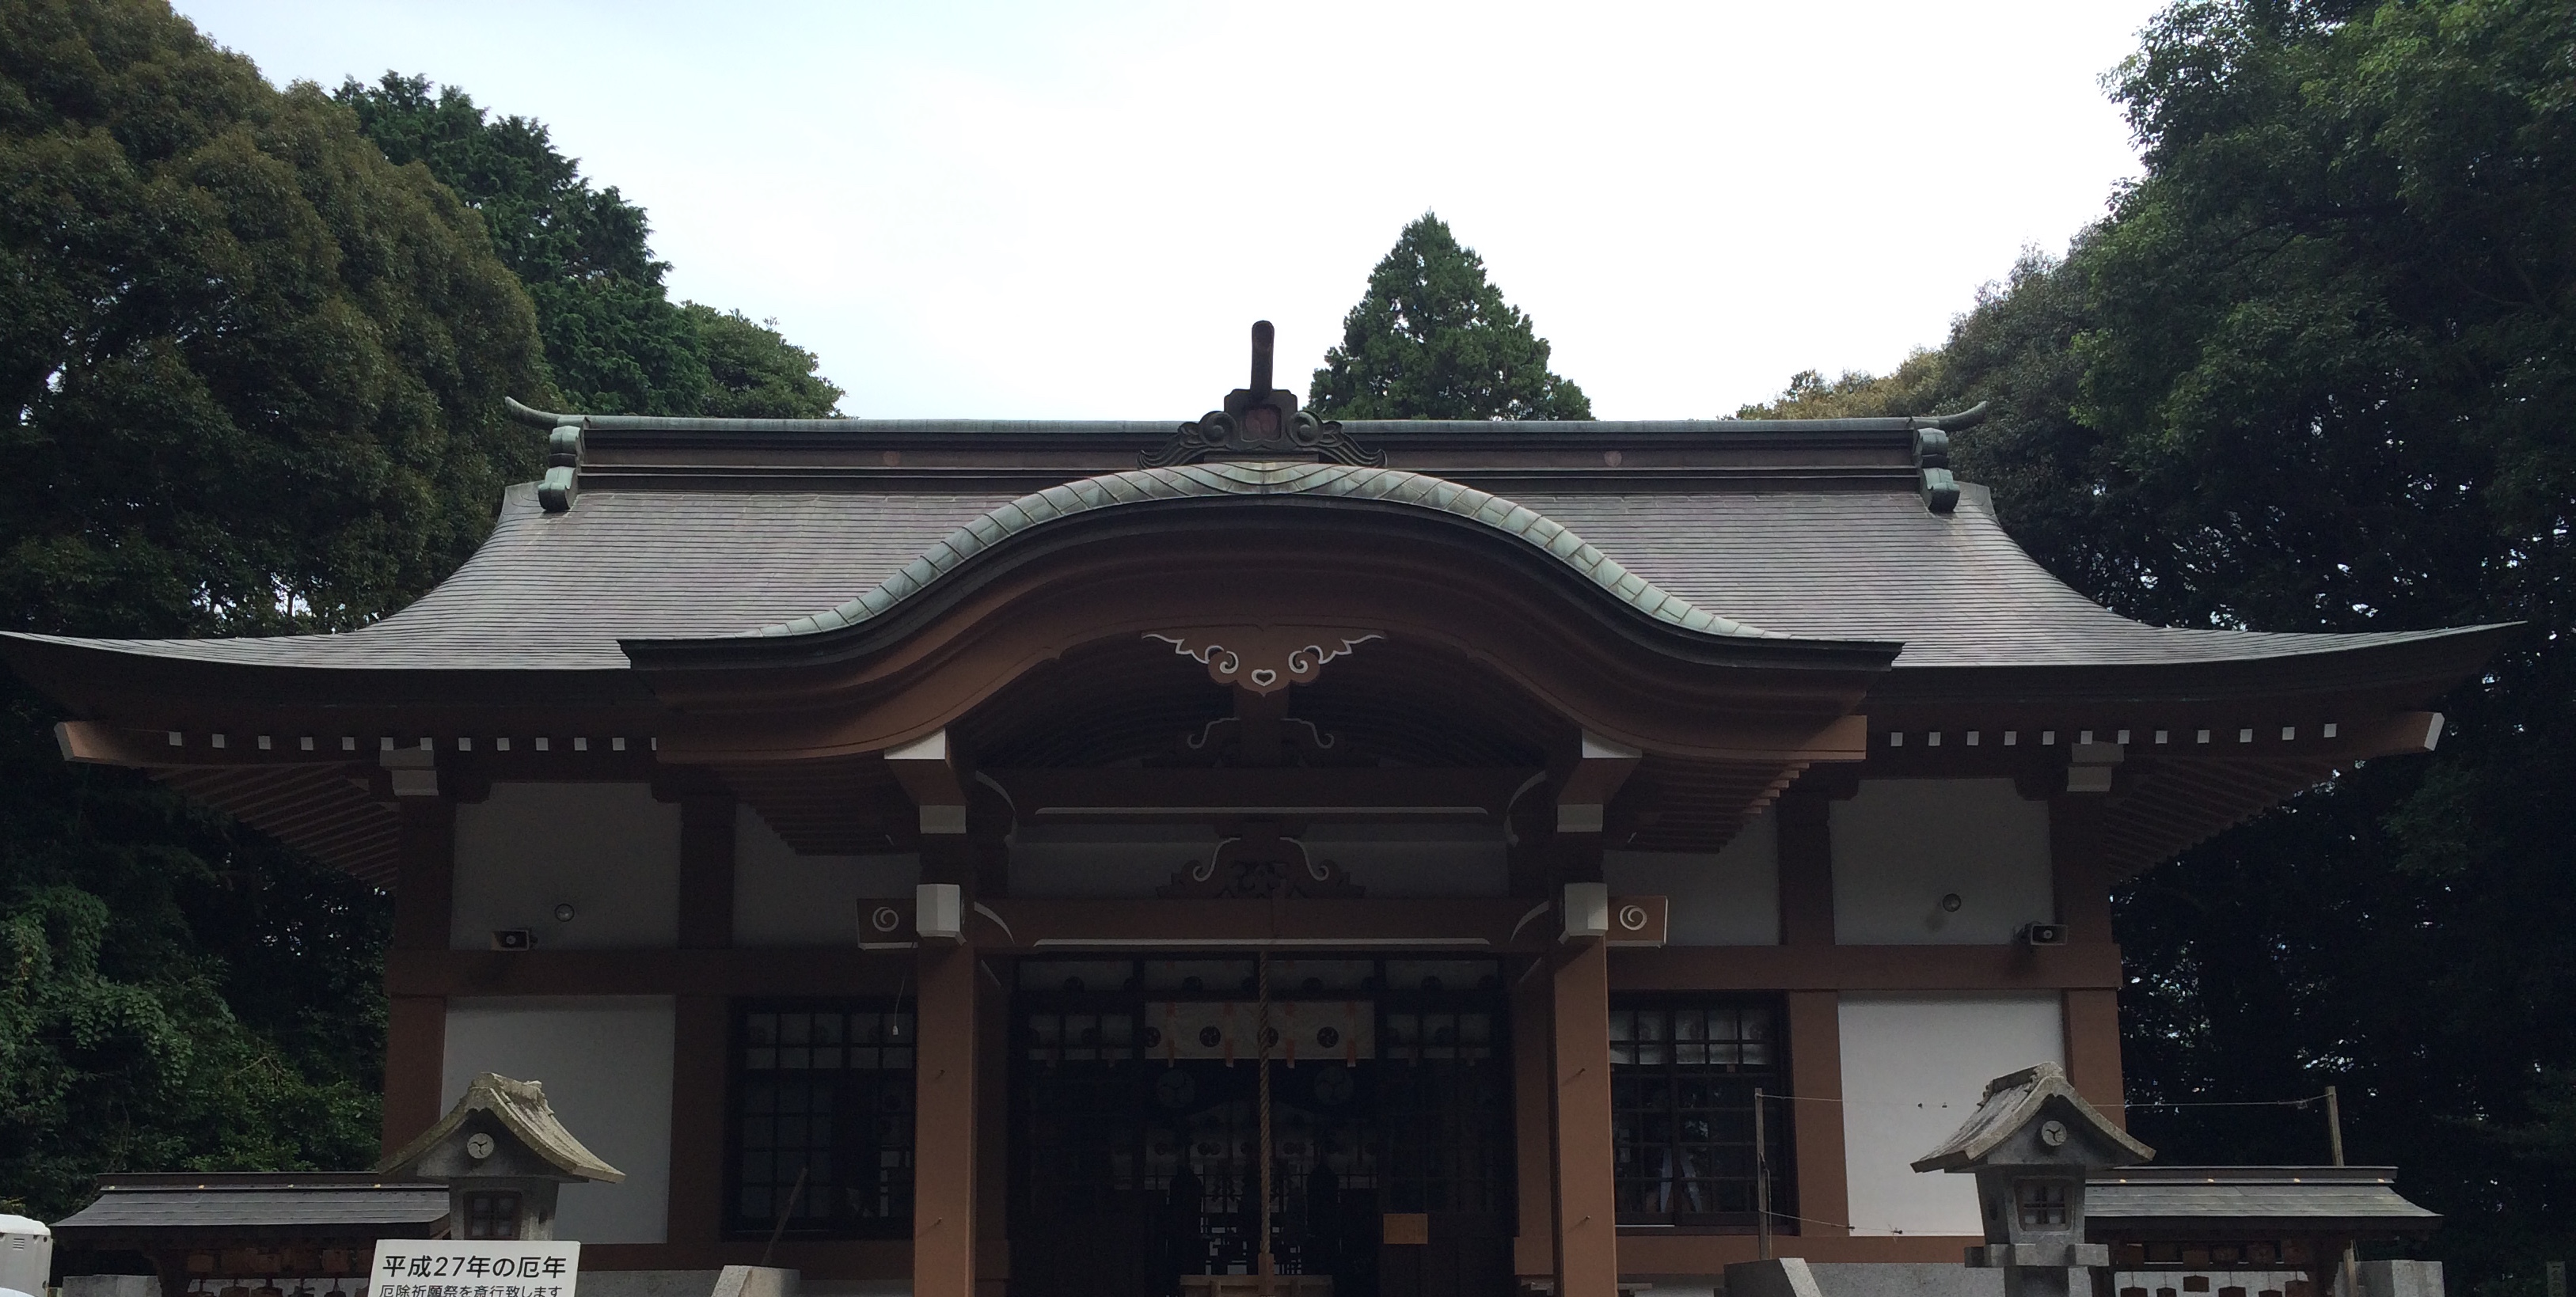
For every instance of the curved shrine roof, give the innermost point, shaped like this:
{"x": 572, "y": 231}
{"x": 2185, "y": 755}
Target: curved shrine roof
{"x": 557, "y": 592}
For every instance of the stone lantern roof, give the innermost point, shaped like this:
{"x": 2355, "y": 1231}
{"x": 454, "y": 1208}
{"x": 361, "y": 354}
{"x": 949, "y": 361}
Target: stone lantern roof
{"x": 528, "y": 1142}
{"x": 2034, "y": 1118}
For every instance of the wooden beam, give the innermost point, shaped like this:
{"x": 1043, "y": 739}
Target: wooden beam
{"x": 841, "y": 970}
{"x": 1600, "y": 767}
{"x": 1134, "y": 793}
{"x": 1477, "y": 926}
{"x": 1867, "y": 968}
{"x": 930, "y": 779}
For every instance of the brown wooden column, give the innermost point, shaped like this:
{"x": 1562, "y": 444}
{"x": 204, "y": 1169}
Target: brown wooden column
{"x": 1815, "y": 1032}
{"x": 702, "y": 1029}
{"x": 943, "y": 1152}
{"x": 945, "y": 1237}
{"x": 424, "y": 912}
{"x": 1814, "y": 1025}
{"x": 2083, "y": 888}
{"x": 1533, "y": 1124}
{"x": 992, "y": 1100}
{"x": 1806, "y": 866}
{"x": 706, "y": 870}
{"x": 2076, "y": 873}
{"x": 1586, "y": 1207}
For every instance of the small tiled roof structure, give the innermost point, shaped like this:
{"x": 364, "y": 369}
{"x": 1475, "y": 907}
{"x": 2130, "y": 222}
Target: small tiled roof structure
{"x": 521, "y": 1110}
{"x": 145, "y": 1211}
{"x": 2221, "y": 1202}
{"x": 2010, "y": 1104}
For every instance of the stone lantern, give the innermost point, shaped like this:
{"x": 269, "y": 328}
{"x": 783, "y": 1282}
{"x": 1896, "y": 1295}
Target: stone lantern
{"x": 504, "y": 1157}
{"x": 2030, "y": 1144}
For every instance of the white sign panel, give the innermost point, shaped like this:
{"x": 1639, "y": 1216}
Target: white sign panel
{"x": 424, "y": 1267}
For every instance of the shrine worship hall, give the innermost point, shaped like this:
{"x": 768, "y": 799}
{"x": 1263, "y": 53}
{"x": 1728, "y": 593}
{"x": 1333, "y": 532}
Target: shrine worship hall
{"x": 1385, "y": 859}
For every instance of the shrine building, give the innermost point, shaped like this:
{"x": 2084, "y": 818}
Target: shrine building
{"x": 951, "y": 852}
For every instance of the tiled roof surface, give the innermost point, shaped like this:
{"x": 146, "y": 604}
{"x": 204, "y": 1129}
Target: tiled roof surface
{"x": 319, "y": 1201}
{"x": 2289, "y": 1195}
{"x": 559, "y": 591}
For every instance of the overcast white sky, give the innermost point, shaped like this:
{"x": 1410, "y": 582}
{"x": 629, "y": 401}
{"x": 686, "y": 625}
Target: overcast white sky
{"x": 1075, "y": 210}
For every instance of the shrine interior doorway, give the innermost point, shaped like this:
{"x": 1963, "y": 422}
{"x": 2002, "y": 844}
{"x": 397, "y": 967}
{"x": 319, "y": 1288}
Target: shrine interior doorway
{"x": 1136, "y": 1124}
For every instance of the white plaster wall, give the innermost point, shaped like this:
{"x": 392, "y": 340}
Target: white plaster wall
{"x": 1913, "y": 1069}
{"x": 783, "y": 899}
{"x": 606, "y": 1064}
{"x": 608, "y": 850}
{"x": 1728, "y": 898}
{"x": 1903, "y": 844}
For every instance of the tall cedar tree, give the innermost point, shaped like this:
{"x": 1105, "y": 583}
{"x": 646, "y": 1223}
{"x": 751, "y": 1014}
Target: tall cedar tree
{"x": 2314, "y": 373}
{"x": 615, "y": 341}
{"x": 217, "y": 298}
{"x": 1434, "y": 339}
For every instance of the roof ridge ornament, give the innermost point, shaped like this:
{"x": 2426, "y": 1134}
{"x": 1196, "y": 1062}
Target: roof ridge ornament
{"x": 1260, "y": 422}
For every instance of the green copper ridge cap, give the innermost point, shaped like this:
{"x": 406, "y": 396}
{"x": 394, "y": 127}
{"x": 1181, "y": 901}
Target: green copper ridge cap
{"x": 1332, "y": 481}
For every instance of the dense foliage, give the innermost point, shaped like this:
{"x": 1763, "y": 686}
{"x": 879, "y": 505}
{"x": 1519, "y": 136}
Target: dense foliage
{"x": 2314, "y": 372}
{"x": 1434, "y": 339}
{"x": 214, "y": 298}
{"x": 615, "y": 342}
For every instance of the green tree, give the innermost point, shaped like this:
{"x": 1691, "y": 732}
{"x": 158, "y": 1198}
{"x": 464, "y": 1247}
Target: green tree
{"x": 2313, "y": 373}
{"x": 1434, "y": 339}
{"x": 257, "y": 377}
{"x": 615, "y": 342}
{"x": 1857, "y": 394}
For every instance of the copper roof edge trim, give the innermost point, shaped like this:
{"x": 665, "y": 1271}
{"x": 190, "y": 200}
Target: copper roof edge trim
{"x": 536, "y": 418}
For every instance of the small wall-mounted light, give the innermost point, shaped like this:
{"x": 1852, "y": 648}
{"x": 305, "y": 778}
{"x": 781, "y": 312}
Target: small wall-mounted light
{"x": 563, "y": 912}
{"x": 1950, "y": 903}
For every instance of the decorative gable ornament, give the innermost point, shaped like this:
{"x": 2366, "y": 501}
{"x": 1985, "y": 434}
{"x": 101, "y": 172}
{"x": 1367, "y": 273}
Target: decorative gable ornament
{"x": 2030, "y": 1144}
{"x": 504, "y": 1156}
{"x": 1261, "y": 423}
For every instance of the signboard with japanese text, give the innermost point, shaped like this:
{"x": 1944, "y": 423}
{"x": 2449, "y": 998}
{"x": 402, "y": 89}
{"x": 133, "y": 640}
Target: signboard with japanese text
{"x": 416, "y": 1267}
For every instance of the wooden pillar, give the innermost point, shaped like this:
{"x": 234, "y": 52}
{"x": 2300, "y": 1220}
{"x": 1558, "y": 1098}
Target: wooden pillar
{"x": 1814, "y": 1025}
{"x": 1586, "y": 1208}
{"x": 2093, "y": 1051}
{"x": 702, "y": 1043}
{"x": 943, "y": 1147}
{"x": 993, "y": 1118}
{"x": 1815, "y": 1032}
{"x": 2082, "y": 884}
{"x": 1806, "y": 867}
{"x": 702, "y": 1027}
{"x": 2076, "y": 872}
{"x": 706, "y": 870}
{"x": 1533, "y": 1124}
{"x": 424, "y": 913}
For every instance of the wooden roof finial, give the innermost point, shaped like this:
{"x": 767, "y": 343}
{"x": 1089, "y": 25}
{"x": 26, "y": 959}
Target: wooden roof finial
{"x": 1262, "y": 334}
